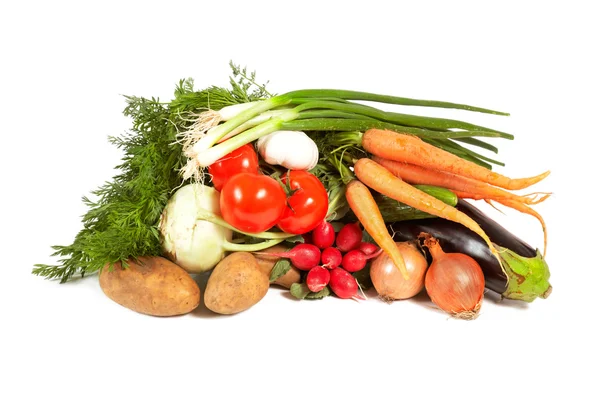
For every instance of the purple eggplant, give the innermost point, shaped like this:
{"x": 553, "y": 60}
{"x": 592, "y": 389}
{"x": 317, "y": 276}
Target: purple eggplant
{"x": 523, "y": 274}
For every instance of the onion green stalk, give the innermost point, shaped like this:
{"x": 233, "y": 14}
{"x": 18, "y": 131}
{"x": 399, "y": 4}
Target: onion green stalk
{"x": 479, "y": 143}
{"x": 259, "y": 119}
{"x": 322, "y": 110}
{"x": 391, "y": 117}
{"x": 378, "y": 98}
{"x": 328, "y": 96}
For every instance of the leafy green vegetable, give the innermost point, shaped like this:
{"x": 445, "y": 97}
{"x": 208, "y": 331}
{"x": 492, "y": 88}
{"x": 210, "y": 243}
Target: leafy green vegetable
{"x": 302, "y": 292}
{"x": 318, "y": 295}
{"x": 244, "y": 89}
{"x": 123, "y": 221}
{"x": 299, "y": 290}
{"x": 281, "y": 267}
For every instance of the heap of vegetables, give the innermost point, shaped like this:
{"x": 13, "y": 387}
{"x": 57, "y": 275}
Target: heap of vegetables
{"x": 313, "y": 188}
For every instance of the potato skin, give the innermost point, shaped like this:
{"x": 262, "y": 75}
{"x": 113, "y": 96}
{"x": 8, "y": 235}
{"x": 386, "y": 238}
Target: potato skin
{"x": 151, "y": 285}
{"x": 235, "y": 284}
{"x": 266, "y": 264}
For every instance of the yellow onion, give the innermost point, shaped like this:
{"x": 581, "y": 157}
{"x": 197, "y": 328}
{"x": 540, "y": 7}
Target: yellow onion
{"x": 454, "y": 281}
{"x": 388, "y": 280}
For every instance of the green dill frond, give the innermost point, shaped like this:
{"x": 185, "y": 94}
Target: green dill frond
{"x": 244, "y": 89}
{"x": 213, "y": 98}
{"x": 241, "y": 82}
{"x": 123, "y": 221}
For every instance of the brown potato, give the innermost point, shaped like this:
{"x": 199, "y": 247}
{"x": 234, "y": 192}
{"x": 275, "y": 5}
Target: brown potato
{"x": 235, "y": 284}
{"x": 151, "y": 285}
{"x": 266, "y": 264}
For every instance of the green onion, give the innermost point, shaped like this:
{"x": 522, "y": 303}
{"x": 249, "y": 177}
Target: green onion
{"x": 329, "y": 110}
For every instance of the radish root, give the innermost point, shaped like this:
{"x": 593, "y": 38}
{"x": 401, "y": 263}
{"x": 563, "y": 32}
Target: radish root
{"x": 364, "y": 296}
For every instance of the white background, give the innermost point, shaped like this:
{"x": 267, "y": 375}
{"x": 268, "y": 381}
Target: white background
{"x": 64, "y": 68}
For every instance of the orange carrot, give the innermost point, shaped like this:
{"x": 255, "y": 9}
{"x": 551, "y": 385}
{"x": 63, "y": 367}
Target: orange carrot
{"x": 365, "y": 208}
{"x": 417, "y": 175}
{"x": 516, "y": 205}
{"x": 479, "y": 196}
{"x": 383, "y": 181}
{"x": 527, "y": 210}
{"x": 400, "y": 147}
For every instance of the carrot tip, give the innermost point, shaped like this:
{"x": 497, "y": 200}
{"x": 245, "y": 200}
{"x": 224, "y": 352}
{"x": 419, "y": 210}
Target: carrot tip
{"x": 522, "y": 183}
{"x": 537, "y": 197}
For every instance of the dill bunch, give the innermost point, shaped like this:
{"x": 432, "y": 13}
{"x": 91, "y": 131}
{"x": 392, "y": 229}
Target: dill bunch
{"x": 123, "y": 221}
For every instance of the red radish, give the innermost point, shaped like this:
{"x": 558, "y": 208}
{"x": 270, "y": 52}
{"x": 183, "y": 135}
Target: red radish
{"x": 331, "y": 258}
{"x": 368, "y": 248}
{"x": 317, "y": 278}
{"x": 323, "y": 235}
{"x": 343, "y": 283}
{"x": 349, "y": 237}
{"x": 303, "y": 256}
{"x": 355, "y": 260}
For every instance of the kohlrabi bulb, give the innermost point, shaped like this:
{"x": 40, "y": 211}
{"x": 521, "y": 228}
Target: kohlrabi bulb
{"x": 193, "y": 244}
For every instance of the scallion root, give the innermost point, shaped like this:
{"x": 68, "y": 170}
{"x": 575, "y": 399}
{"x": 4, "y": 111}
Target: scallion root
{"x": 193, "y": 172}
{"x": 201, "y": 123}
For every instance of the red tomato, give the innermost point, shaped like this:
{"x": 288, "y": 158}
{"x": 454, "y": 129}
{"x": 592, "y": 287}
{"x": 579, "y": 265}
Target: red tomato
{"x": 307, "y": 206}
{"x": 243, "y": 159}
{"x": 252, "y": 203}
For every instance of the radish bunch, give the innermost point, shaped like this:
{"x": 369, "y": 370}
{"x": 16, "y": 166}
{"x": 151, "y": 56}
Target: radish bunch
{"x": 339, "y": 255}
